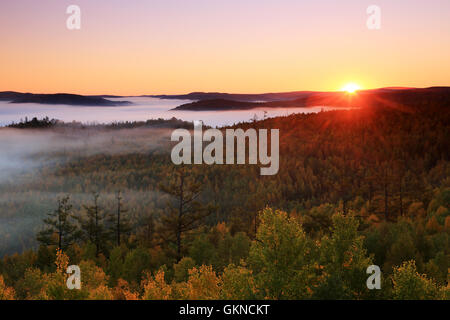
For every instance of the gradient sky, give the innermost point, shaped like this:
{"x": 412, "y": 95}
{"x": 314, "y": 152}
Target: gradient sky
{"x": 177, "y": 46}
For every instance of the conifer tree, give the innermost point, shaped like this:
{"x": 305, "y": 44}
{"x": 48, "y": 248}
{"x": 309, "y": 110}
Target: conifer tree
{"x": 185, "y": 212}
{"x": 61, "y": 229}
{"x": 120, "y": 225}
{"x": 93, "y": 225}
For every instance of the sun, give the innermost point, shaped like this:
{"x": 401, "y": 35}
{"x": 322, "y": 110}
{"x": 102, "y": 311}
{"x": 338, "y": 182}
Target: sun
{"x": 351, "y": 87}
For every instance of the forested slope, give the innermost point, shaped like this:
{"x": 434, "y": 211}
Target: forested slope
{"x": 356, "y": 187}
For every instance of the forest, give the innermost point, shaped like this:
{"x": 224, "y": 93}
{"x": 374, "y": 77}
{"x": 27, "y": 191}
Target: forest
{"x": 354, "y": 188}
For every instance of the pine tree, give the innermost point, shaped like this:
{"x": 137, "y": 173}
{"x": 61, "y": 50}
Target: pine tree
{"x": 120, "y": 225}
{"x": 185, "y": 213}
{"x": 61, "y": 230}
{"x": 93, "y": 225}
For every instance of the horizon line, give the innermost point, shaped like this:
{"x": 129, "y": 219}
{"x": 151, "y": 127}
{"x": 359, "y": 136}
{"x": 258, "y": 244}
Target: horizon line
{"x": 231, "y": 93}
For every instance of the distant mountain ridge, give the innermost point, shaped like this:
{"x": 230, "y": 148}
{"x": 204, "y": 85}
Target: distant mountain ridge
{"x": 59, "y": 98}
{"x": 211, "y": 101}
{"x": 263, "y": 97}
{"x": 389, "y": 97}
{"x": 219, "y": 104}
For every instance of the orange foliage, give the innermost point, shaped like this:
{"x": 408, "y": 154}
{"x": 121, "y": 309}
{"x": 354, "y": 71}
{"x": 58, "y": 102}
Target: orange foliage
{"x": 122, "y": 291}
{"x": 6, "y": 293}
{"x": 156, "y": 288}
{"x": 62, "y": 261}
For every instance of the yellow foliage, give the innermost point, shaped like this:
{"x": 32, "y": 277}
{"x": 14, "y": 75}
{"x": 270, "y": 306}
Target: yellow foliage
{"x": 238, "y": 283}
{"x": 203, "y": 284}
{"x": 156, "y": 288}
{"x": 92, "y": 276}
{"x": 101, "y": 293}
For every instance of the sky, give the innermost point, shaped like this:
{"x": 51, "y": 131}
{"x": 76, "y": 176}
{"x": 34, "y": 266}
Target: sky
{"x": 138, "y": 47}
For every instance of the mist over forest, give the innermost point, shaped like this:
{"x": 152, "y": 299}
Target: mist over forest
{"x": 370, "y": 183}
{"x": 31, "y": 155}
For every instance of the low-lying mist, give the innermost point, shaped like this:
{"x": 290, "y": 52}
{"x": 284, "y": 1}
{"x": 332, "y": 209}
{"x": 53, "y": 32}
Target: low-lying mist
{"x": 33, "y": 174}
{"x": 26, "y": 149}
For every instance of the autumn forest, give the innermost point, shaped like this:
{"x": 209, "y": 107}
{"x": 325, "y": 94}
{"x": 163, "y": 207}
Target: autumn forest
{"x": 355, "y": 188}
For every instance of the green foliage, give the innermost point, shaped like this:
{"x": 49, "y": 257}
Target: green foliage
{"x": 202, "y": 251}
{"x": 232, "y": 249}
{"x": 281, "y": 257}
{"x": 181, "y": 269}
{"x": 238, "y": 284}
{"x": 344, "y": 261}
{"x": 116, "y": 264}
{"x": 410, "y": 285}
{"x": 137, "y": 262}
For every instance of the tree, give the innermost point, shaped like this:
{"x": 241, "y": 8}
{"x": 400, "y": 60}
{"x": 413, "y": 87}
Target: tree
{"x": 156, "y": 288}
{"x": 232, "y": 249}
{"x": 93, "y": 227}
{"x": 181, "y": 269}
{"x": 410, "y": 285}
{"x": 343, "y": 261}
{"x": 202, "y": 251}
{"x": 185, "y": 213}
{"x": 31, "y": 285}
{"x": 120, "y": 224}
{"x": 281, "y": 257}
{"x": 238, "y": 283}
{"x": 116, "y": 262}
{"x": 94, "y": 282}
{"x": 136, "y": 262}
{"x": 60, "y": 223}
{"x": 203, "y": 284}
{"x": 55, "y": 283}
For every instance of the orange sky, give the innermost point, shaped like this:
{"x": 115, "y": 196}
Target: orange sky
{"x": 148, "y": 47}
